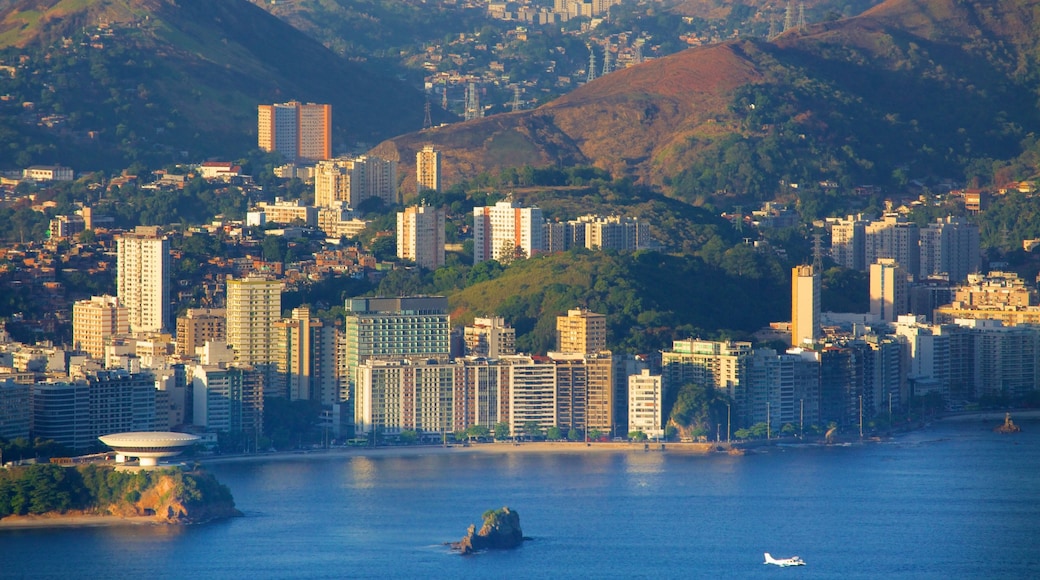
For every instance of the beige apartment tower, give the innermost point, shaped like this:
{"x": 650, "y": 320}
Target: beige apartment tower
{"x": 254, "y": 305}
{"x": 420, "y": 236}
{"x": 428, "y": 169}
{"x": 805, "y": 305}
{"x": 301, "y": 132}
{"x": 581, "y": 332}
{"x": 889, "y": 297}
{"x": 96, "y": 321}
{"x": 199, "y": 326}
{"x": 143, "y": 278}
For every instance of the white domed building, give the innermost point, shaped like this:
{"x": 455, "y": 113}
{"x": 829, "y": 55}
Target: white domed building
{"x": 148, "y": 446}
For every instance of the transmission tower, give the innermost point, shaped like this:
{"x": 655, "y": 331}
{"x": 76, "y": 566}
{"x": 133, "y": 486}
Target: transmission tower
{"x": 427, "y": 120}
{"x": 473, "y": 102}
{"x": 738, "y": 223}
{"x": 608, "y": 66}
{"x": 444, "y": 97}
{"x": 801, "y": 16}
{"x": 789, "y": 17}
{"x": 817, "y": 252}
{"x": 516, "y": 98}
{"x": 773, "y": 32}
{"x": 639, "y": 51}
{"x": 592, "y": 65}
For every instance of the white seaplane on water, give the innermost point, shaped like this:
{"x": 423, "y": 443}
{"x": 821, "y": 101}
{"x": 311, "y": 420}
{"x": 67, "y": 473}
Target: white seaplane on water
{"x": 784, "y": 562}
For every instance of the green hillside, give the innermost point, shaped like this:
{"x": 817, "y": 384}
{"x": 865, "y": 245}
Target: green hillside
{"x": 649, "y": 298}
{"x": 103, "y": 83}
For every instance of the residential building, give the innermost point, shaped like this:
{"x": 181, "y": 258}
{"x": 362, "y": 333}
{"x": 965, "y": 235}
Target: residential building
{"x": 507, "y": 231}
{"x": 490, "y": 338}
{"x": 229, "y": 399}
{"x": 428, "y": 168}
{"x": 581, "y": 332}
{"x": 718, "y": 364}
{"x": 355, "y": 180}
{"x": 420, "y": 236}
{"x": 848, "y": 242}
{"x": 889, "y": 283}
{"x": 284, "y": 212}
{"x": 47, "y": 173}
{"x": 76, "y": 413}
{"x": 254, "y": 305}
{"x": 199, "y": 326}
{"x": 15, "y": 409}
{"x": 305, "y": 351}
{"x": 532, "y": 395}
{"x": 782, "y": 388}
{"x": 646, "y": 404}
{"x": 394, "y": 328}
{"x": 96, "y": 321}
{"x": 806, "y": 290}
{"x": 143, "y": 269}
{"x": 950, "y": 246}
{"x": 340, "y": 221}
{"x": 300, "y": 132}
{"x": 999, "y": 296}
{"x": 894, "y": 237}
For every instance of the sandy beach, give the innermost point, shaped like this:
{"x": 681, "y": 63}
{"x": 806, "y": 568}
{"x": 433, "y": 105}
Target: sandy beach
{"x": 498, "y": 447}
{"x": 73, "y": 521}
{"x": 996, "y": 417}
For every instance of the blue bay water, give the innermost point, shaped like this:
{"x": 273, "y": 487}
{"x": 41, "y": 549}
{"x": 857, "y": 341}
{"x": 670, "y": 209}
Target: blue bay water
{"x": 952, "y": 501}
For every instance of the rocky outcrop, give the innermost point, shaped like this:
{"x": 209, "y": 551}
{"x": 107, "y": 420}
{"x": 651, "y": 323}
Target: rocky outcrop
{"x": 1008, "y": 426}
{"x": 501, "y": 531}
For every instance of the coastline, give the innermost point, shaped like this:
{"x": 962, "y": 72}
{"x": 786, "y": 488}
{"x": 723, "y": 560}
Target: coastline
{"x": 497, "y": 447}
{"x": 78, "y": 520}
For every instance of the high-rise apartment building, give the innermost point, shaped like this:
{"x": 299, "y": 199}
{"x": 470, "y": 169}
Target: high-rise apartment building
{"x": 143, "y": 270}
{"x": 806, "y": 289}
{"x": 354, "y": 180}
{"x": 420, "y": 236}
{"x": 228, "y": 398}
{"x": 75, "y": 414}
{"x": 719, "y": 364}
{"x": 199, "y": 326}
{"x": 950, "y": 246}
{"x": 490, "y": 338}
{"x": 507, "y": 231}
{"x": 848, "y": 240}
{"x": 15, "y": 409}
{"x": 646, "y": 404}
{"x": 394, "y": 327}
{"x": 889, "y": 297}
{"x": 894, "y": 237}
{"x": 96, "y": 321}
{"x": 305, "y": 356}
{"x": 428, "y": 168}
{"x": 254, "y": 305}
{"x": 581, "y": 332}
{"x": 300, "y": 132}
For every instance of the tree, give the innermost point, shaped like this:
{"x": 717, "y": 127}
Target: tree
{"x": 573, "y": 434}
{"x": 533, "y": 430}
{"x": 408, "y": 437}
{"x": 637, "y": 436}
{"x": 697, "y": 409}
{"x": 478, "y": 432}
{"x": 501, "y": 431}
{"x": 554, "y": 433}
{"x": 595, "y": 434}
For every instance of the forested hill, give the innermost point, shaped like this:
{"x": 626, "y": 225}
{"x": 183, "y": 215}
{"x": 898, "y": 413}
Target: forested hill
{"x": 909, "y": 89}
{"x": 101, "y": 83}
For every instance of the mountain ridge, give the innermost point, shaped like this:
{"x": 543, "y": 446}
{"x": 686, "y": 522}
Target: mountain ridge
{"x": 846, "y": 101}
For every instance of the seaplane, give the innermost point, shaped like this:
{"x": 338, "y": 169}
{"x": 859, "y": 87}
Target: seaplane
{"x": 784, "y": 562}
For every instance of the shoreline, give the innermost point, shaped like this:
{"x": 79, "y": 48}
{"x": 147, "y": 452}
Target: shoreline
{"x": 74, "y": 521}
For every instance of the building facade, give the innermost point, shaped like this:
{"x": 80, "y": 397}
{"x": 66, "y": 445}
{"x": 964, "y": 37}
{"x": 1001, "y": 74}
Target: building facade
{"x": 95, "y": 322}
{"x": 420, "y": 236}
{"x": 300, "y": 132}
{"x": 143, "y": 269}
{"x": 806, "y": 290}
{"x": 428, "y": 169}
{"x": 507, "y": 231}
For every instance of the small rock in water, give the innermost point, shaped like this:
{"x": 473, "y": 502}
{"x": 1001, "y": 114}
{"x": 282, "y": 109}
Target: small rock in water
{"x": 501, "y": 531}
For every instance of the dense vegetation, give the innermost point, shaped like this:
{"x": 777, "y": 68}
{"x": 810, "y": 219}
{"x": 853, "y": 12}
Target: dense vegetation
{"x": 44, "y": 488}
